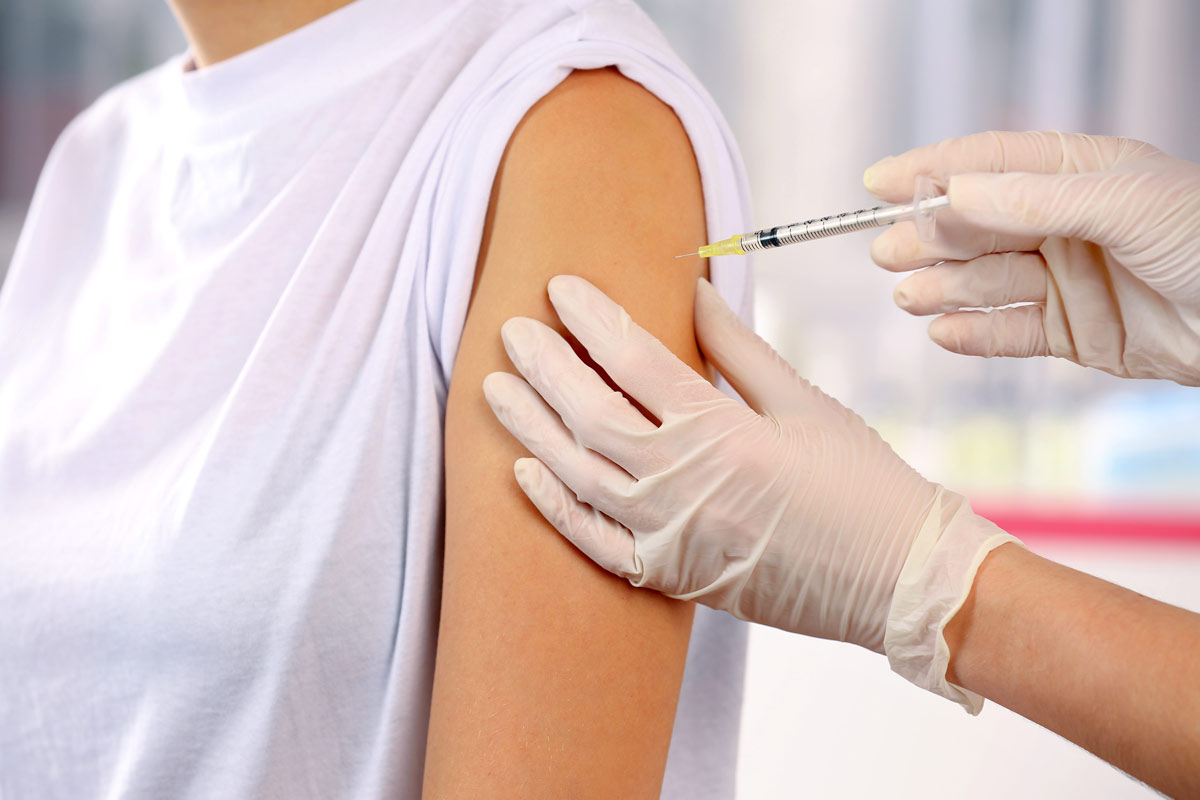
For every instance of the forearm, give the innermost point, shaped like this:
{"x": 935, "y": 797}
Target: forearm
{"x": 1113, "y": 671}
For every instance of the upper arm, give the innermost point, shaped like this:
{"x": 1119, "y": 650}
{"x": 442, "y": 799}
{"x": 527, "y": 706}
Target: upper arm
{"x": 553, "y": 677}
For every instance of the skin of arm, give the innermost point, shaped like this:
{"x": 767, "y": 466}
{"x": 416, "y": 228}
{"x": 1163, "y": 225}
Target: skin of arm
{"x": 553, "y": 678}
{"x": 1109, "y": 669}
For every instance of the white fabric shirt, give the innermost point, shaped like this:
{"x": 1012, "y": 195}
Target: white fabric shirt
{"x": 225, "y": 343}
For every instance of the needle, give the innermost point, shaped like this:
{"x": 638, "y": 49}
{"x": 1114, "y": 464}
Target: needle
{"x": 685, "y": 255}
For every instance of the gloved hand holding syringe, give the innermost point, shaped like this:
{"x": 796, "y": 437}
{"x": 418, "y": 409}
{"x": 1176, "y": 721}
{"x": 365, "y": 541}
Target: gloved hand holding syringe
{"x": 925, "y": 204}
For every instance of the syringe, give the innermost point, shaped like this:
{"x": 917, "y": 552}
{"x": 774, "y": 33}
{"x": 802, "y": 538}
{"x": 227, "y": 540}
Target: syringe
{"x": 921, "y": 211}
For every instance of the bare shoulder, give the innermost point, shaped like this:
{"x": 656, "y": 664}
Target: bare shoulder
{"x": 602, "y": 172}
{"x": 596, "y": 113}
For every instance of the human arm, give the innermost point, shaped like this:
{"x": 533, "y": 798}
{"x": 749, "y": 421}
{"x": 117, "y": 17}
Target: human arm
{"x": 1107, "y": 668}
{"x": 553, "y": 679}
{"x": 1096, "y": 238}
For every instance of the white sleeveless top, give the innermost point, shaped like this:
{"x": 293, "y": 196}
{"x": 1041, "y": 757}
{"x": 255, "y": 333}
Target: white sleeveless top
{"x": 225, "y": 343}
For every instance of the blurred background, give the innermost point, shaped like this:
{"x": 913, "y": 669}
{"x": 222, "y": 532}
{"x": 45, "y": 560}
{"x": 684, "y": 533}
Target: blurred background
{"x": 1097, "y": 472}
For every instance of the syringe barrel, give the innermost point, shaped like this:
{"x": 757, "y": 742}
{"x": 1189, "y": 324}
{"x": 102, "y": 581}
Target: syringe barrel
{"x": 825, "y": 226}
{"x": 876, "y": 217}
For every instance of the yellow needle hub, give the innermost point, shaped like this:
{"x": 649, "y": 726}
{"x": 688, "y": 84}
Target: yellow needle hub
{"x": 726, "y": 247}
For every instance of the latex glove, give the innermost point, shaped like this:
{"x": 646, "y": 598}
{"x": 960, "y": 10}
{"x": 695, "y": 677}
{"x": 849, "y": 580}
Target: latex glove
{"x": 792, "y": 512}
{"x": 1101, "y": 234}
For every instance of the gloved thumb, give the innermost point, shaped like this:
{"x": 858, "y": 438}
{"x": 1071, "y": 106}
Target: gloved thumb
{"x": 752, "y": 367}
{"x": 1073, "y": 206}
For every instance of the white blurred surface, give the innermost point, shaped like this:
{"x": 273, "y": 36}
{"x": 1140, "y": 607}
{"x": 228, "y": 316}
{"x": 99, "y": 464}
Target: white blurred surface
{"x": 828, "y": 720}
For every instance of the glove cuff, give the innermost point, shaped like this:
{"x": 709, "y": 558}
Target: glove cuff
{"x": 933, "y": 585}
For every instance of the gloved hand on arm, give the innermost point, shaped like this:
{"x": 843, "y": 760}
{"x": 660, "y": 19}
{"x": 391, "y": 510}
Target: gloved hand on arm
{"x": 791, "y": 512}
{"x": 1099, "y": 236}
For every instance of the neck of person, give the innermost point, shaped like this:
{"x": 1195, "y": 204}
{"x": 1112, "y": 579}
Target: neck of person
{"x": 220, "y": 29}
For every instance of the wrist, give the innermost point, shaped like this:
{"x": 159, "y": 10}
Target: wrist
{"x": 966, "y": 633}
{"x": 934, "y": 584}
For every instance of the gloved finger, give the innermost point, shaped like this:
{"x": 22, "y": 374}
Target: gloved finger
{"x": 997, "y": 279}
{"x": 594, "y": 479}
{"x": 599, "y": 538}
{"x": 601, "y": 419}
{"x": 753, "y": 368}
{"x": 1016, "y": 332}
{"x": 1016, "y": 204}
{"x": 891, "y": 179}
{"x": 640, "y": 364}
{"x": 900, "y": 249}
